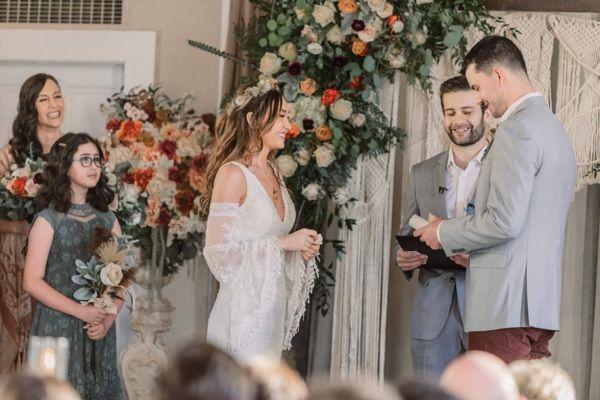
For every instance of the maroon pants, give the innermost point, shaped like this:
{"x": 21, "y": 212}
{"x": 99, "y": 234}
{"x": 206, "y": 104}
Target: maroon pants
{"x": 513, "y": 344}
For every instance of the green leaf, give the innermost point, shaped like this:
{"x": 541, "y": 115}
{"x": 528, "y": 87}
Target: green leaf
{"x": 377, "y": 81}
{"x": 283, "y": 31}
{"x": 452, "y": 39}
{"x": 281, "y": 18}
{"x": 369, "y": 64}
{"x": 263, "y": 42}
{"x": 424, "y": 70}
{"x": 83, "y": 294}
{"x": 272, "y": 25}
{"x": 366, "y": 95}
{"x": 79, "y": 280}
{"x": 274, "y": 40}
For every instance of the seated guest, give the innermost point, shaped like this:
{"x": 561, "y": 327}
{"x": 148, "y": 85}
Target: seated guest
{"x": 279, "y": 381}
{"x": 542, "y": 380}
{"x": 423, "y": 390}
{"x": 355, "y": 390}
{"x": 24, "y": 386}
{"x": 478, "y": 375}
{"x": 199, "y": 371}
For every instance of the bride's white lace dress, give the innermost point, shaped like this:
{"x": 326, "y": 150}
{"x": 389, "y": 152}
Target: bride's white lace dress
{"x": 263, "y": 289}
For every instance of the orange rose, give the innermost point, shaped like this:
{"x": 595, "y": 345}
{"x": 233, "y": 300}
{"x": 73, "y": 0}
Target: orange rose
{"x": 129, "y": 131}
{"x": 360, "y": 48}
{"x": 308, "y": 86}
{"x": 329, "y": 97}
{"x": 324, "y": 133}
{"x": 18, "y": 186}
{"x": 142, "y": 177}
{"x": 294, "y": 131}
{"x": 197, "y": 180}
{"x": 347, "y": 6}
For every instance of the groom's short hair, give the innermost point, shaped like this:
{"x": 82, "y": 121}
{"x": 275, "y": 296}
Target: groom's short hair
{"x": 495, "y": 50}
{"x": 455, "y": 84}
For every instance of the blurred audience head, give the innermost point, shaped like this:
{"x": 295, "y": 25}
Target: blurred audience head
{"x": 542, "y": 380}
{"x": 199, "y": 371}
{"x": 26, "y": 386}
{"x": 423, "y": 390}
{"x": 279, "y": 381}
{"x": 355, "y": 390}
{"x": 478, "y": 375}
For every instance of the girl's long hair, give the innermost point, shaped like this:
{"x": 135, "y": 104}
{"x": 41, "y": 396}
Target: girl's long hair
{"x": 24, "y": 141}
{"x": 55, "y": 187}
{"x": 236, "y": 139}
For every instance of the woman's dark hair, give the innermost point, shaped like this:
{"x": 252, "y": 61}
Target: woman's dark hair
{"x": 200, "y": 371}
{"x": 24, "y": 140}
{"x": 55, "y": 186}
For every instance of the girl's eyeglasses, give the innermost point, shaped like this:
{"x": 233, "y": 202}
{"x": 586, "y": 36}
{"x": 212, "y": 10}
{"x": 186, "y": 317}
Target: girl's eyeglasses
{"x": 87, "y": 161}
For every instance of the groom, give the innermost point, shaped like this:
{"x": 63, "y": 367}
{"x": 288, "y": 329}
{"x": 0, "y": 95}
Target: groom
{"x": 516, "y": 236}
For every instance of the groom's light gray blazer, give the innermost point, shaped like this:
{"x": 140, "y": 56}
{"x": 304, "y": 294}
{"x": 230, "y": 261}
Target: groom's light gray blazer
{"x": 516, "y": 237}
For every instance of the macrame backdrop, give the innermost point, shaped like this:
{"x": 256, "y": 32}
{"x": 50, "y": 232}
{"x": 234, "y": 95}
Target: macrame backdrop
{"x": 578, "y": 93}
{"x": 361, "y": 290}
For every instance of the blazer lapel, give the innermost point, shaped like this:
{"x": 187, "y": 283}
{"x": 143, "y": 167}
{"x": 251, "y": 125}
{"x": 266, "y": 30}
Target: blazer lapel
{"x": 439, "y": 189}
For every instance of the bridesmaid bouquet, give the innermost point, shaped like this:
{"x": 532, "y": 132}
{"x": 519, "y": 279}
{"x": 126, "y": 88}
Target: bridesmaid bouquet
{"x": 106, "y": 273}
{"x": 18, "y": 190}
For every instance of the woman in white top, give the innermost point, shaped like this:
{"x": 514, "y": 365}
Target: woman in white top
{"x": 265, "y": 273}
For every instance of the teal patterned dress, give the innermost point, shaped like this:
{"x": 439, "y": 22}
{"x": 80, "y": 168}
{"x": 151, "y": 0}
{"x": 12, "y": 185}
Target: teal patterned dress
{"x": 92, "y": 364}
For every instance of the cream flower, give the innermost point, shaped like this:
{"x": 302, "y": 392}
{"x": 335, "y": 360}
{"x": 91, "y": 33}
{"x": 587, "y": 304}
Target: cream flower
{"x": 286, "y": 165}
{"x": 302, "y": 156}
{"x": 368, "y": 34}
{"x": 314, "y": 48}
{"x": 324, "y": 155}
{"x": 341, "y": 196}
{"x": 358, "y": 120}
{"x": 335, "y": 35}
{"x": 288, "y": 51}
{"x": 386, "y": 11}
{"x": 398, "y": 26}
{"x": 270, "y": 64}
{"x": 312, "y": 192}
{"x": 324, "y": 13}
{"x": 111, "y": 274}
{"x": 105, "y": 303}
{"x": 309, "y": 33}
{"x": 376, "y": 4}
{"x": 31, "y": 188}
{"x": 341, "y": 109}
{"x": 420, "y": 37}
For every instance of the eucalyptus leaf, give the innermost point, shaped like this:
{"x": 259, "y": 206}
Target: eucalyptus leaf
{"x": 83, "y": 294}
{"x": 79, "y": 280}
{"x": 369, "y": 63}
{"x": 272, "y": 25}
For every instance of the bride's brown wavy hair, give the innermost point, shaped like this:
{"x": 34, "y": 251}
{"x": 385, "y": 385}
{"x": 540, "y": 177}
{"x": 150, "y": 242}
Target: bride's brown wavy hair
{"x": 238, "y": 139}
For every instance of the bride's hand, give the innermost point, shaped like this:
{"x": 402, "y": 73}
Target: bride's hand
{"x": 311, "y": 253}
{"x": 302, "y": 240}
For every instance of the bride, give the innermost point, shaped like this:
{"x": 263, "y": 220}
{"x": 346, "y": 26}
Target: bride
{"x": 265, "y": 273}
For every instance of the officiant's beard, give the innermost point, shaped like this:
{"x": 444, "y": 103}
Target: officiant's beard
{"x": 476, "y": 132}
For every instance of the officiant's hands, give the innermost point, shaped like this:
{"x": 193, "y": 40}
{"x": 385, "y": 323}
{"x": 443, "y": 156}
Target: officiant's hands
{"x": 410, "y": 260}
{"x": 428, "y": 234}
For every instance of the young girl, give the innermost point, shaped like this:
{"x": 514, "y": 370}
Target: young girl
{"x": 76, "y": 198}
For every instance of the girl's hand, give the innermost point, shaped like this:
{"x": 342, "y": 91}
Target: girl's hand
{"x": 96, "y": 332}
{"x": 302, "y": 240}
{"x": 92, "y": 315}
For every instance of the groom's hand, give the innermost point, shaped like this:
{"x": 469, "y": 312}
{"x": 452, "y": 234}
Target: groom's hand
{"x": 428, "y": 234}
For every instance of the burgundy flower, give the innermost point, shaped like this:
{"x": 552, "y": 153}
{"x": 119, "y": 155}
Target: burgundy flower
{"x": 199, "y": 162}
{"x": 358, "y": 25}
{"x": 178, "y": 174}
{"x": 128, "y": 178}
{"x": 164, "y": 217}
{"x": 113, "y": 124}
{"x": 185, "y": 201}
{"x": 148, "y": 107}
{"x": 295, "y": 68}
{"x": 339, "y": 61}
{"x": 168, "y": 148}
{"x": 308, "y": 124}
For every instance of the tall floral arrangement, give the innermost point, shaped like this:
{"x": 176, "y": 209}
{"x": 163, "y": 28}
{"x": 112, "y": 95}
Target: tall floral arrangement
{"x": 331, "y": 58}
{"x": 157, "y": 149}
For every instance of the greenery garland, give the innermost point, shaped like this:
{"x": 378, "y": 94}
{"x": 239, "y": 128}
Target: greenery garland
{"x": 332, "y": 58}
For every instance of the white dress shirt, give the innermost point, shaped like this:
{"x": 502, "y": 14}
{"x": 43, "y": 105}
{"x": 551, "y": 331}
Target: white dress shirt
{"x": 460, "y": 184}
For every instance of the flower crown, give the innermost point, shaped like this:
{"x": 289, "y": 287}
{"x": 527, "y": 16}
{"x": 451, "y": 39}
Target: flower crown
{"x": 265, "y": 84}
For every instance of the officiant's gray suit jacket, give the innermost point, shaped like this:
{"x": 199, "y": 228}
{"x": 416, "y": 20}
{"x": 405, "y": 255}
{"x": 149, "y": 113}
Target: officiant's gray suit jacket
{"x": 433, "y": 296}
{"x": 516, "y": 235}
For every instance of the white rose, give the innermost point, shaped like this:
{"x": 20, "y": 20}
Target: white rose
{"x": 270, "y": 63}
{"x": 341, "y": 196}
{"x": 286, "y": 165}
{"x": 386, "y": 11}
{"x": 324, "y": 156}
{"x": 398, "y": 26}
{"x": 358, "y": 120}
{"x": 420, "y": 37}
{"x": 302, "y": 156}
{"x": 105, "y": 303}
{"x": 112, "y": 179}
{"x": 111, "y": 274}
{"x": 368, "y": 34}
{"x": 300, "y": 13}
{"x": 376, "y": 4}
{"x": 129, "y": 194}
{"x": 335, "y": 35}
{"x": 396, "y": 60}
{"x": 288, "y": 51}
{"x": 314, "y": 48}
{"x": 323, "y": 14}
{"x": 341, "y": 109}
{"x": 312, "y": 192}
{"x": 21, "y": 172}
{"x": 31, "y": 188}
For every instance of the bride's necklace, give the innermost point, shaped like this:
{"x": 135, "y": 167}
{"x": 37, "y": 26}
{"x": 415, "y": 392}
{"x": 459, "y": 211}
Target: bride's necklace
{"x": 274, "y": 188}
